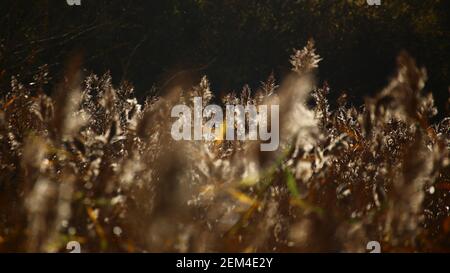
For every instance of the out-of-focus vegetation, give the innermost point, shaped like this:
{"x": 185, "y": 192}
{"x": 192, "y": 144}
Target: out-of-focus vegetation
{"x": 91, "y": 164}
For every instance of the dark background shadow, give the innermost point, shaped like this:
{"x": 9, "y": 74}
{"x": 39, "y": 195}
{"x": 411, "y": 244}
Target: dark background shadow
{"x": 234, "y": 42}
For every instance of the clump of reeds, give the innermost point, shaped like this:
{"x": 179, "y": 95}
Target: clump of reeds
{"x": 91, "y": 164}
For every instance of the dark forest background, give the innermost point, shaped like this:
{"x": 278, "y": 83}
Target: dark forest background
{"x": 156, "y": 43}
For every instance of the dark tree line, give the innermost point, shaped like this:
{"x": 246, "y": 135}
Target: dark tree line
{"x": 155, "y": 43}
